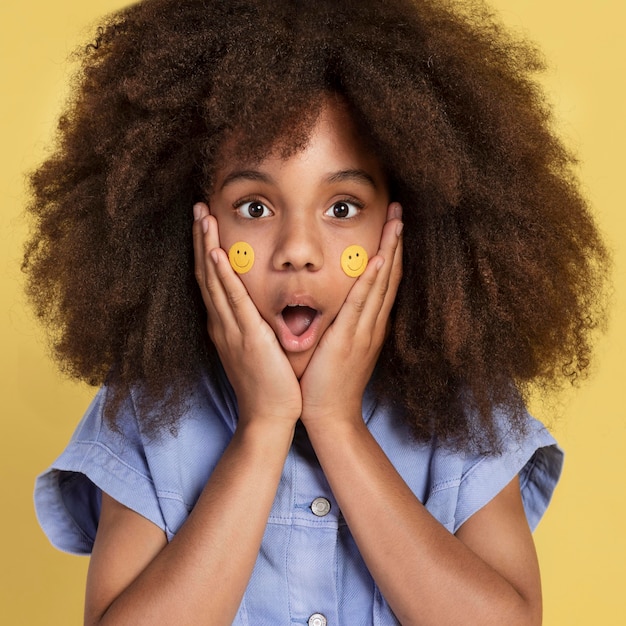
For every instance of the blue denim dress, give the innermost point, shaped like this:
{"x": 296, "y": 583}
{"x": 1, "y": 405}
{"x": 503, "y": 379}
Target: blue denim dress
{"x": 309, "y": 570}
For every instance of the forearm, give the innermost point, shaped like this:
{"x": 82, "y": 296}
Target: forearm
{"x": 205, "y": 569}
{"x": 427, "y": 575}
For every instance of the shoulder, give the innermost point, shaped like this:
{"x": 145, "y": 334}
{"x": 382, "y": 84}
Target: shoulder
{"x": 159, "y": 477}
{"x": 454, "y": 484}
{"x": 532, "y": 456}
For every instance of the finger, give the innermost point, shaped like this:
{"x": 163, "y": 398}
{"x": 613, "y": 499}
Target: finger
{"x": 203, "y": 241}
{"x": 233, "y": 294}
{"x": 391, "y": 236}
{"x": 394, "y": 266}
{"x": 206, "y": 242}
{"x": 389, "y": 242}
{"x": 223, "y": 286}
{"x": 370, "y": 292}
{"x": 348, "y": 319}
{"x": 200, "y": 211}
{"x": 376, "y": 296}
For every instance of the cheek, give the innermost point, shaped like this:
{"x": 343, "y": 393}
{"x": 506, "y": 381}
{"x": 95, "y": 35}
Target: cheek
{"x": 256, "y": 286}
{"x": 228, "y": 234}
{"x": 342, "y": 272}
{"x": 357, "y": 247}
{"x": 245, "y": 253}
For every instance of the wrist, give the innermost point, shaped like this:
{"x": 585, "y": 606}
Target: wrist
{"x": 340, "y": 425}
{"x": 281, "y": 413}
{"x": 264, "y": 436}
{"x": 332, "y": 409}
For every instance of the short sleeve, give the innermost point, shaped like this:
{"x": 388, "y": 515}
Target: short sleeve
{"x": 68, "y": 494}
{"x": 462, "y": 484}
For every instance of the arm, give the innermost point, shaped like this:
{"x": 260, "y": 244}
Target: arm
{"x": 487, "y": 573}
{"x": 135, "y": 577}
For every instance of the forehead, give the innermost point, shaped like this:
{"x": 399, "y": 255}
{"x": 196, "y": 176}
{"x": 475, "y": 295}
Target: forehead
{"x": 329, "y": 132}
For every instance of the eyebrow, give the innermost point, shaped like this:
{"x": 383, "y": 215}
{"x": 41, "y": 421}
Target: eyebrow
{"x": 246, "y": 175}
{"x": 357, "y": 175}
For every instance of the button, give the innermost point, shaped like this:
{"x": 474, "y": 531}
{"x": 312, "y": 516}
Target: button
{"x": 317, "y": 619}
{"x": 320, "y": 507}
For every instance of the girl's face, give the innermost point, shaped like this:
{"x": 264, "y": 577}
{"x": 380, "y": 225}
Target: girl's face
{"x": 298, "y": 215}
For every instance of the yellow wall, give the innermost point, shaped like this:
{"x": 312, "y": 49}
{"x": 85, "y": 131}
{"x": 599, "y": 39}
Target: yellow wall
{"x": 581, "y": 542}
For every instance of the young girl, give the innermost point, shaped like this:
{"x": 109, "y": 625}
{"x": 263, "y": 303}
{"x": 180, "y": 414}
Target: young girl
{"x": 317, "y": 253}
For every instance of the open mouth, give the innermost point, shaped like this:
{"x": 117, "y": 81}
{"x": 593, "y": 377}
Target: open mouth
{"x": 298, "y": 318}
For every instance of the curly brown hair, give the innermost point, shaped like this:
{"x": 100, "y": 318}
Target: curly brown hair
{"x": 503, "y": 266}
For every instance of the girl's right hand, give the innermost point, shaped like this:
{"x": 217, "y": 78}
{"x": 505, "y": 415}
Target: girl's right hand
{"x": 262, "y": 377}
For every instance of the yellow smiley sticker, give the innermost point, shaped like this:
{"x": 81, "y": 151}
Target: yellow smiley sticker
{"x": 241, "y": 257}
{"x": 354, "y": 261}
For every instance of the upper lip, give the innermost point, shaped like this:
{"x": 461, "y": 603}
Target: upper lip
{"x": 297, "y": 300}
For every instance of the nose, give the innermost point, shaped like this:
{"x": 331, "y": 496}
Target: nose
{"x": 299, "y": 245}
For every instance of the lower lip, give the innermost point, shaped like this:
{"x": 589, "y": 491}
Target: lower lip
{"x": 298, "y": 343}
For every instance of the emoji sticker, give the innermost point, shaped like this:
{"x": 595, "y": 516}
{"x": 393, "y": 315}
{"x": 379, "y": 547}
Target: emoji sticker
{"x": 354, "y": 261}
{"x": 241, "y": 257}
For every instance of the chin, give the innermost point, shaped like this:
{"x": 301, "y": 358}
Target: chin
{"x": 299, "y": 363}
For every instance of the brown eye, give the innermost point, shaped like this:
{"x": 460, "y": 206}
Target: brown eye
{"x": 342, "y": 210}
{"x": 253, "y": 209}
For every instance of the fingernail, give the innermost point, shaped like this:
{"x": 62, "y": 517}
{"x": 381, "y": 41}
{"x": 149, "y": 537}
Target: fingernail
{"x": 205, "y": 226}
{"x": 379, "y": 264}
{"x": 197, "y": 212}
{"x": 399, "y": 229}
{"x": 397, "y": 210}
{"x": 214, "y": 256}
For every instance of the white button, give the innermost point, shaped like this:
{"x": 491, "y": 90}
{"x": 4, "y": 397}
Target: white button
{"x": 317, "y": 619}
{"x": 320, "y": 507}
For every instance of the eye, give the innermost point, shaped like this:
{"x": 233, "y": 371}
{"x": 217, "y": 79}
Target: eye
{"x": 343, "y": 209}
{"x": 253, "y": 209}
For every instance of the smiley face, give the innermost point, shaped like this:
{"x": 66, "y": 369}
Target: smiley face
{"x": 354, "y": 261}
{"x": 241, "y": 257}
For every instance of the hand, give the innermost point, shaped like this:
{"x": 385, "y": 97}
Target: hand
{"x": 335, "y": 379}
{"x": 258, "y": 370}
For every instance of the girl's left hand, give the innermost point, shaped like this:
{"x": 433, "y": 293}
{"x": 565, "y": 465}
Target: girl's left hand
{"x": 335, "y": 379}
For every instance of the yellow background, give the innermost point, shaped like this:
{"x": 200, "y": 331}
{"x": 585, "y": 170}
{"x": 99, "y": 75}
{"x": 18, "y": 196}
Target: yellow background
{"x": 581, "y": 541}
